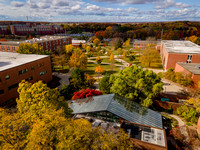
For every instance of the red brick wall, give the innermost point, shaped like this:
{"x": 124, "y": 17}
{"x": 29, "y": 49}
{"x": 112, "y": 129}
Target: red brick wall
{"x": 196, "y": 79}
{"x": 179, "y": 68}
{"x": 198, "y": 126}
{"x": 15, "y": 77}
{"x": 5, "y": 49}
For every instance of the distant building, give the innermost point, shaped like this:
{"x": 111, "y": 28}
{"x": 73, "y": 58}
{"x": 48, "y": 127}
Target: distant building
{"x": 142, "y": 124}
{"x": 190, "y": 69}
{"x": 47, "y": 42}
{"x": 142, "y": 44}
{"x": 16, "y": 67}
{"x": 26, "y": 29}
{"x": 4, "y": 29}
{"x": 173, "y": 51}
{"x": 77, "y": 43}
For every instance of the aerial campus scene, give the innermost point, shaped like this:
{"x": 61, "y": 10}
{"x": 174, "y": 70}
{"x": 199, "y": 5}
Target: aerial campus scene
{"x": 100, "y": 74}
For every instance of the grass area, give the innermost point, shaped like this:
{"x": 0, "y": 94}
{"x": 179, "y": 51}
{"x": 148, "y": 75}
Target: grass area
{"x": 107, "y": 68}
{"x": 106, "y": 60}
{"x": 64, "y": 69}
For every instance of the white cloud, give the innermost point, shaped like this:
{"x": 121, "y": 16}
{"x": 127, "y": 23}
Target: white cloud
{"x": 92, "y": 7}
{"x": 170, "y": 3}
{"x": 17, "y": 4}
{"x": 76, "y": 7}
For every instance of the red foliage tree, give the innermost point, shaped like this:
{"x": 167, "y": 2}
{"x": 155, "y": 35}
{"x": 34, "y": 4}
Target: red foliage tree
{"x": 85, "y": 93}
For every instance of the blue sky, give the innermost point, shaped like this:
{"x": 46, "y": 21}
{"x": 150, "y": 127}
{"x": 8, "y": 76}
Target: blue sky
{"x": 100, "y": 10}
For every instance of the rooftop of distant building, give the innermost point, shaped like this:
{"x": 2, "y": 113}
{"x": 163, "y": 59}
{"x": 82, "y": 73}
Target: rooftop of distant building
{"x": 34, "y": 40}
{"x": 194, "y": 68}
{"x": 184, "y": 47}
{"x": 11, "y": 60}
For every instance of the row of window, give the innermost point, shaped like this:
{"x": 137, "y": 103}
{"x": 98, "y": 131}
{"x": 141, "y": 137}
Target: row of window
{"x": 23, "y": 71}
{"x": 8, "y": 48}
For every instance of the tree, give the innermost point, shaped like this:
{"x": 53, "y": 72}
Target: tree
{"x": 69, "y": 48}
{"x": 120, "y": 51}
{"x": 149, "y": 56}
{"x": 78, "y": 59}
{"x": 99, "y": 70}
{"x": 98, "y": 60}
{"x": 195, "y": 102}
{"x": 136, "y": 84}
{"x": 85, "y": 93}
{"x": 118, "y": 44}
{"x": 27, "y": 48}
{"x": 36, "y": 98}
{"x": 96, "y": 42}
{"x": 111, "y": 61}
{"x": 104, "y": 84}
{"x": 59, "y": 60}
{"x": 127, "y": 42}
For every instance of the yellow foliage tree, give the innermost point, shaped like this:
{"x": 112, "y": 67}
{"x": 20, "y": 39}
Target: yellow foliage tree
{"x": 36, "y": 98}
{"x": 27, "y": 48}
{"x": 96, "y": 42}
{"x": 195, "y": 102}
{"x": 98, "y": 69}
{"x": 69, "y": 48}
{"x": 149, "y": 56}
{"x": 78, "y": 59}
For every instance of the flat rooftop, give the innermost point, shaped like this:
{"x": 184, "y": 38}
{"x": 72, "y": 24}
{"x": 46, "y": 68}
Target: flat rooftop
{"x": 184, "y": 47}
{"x": 10, "y": 60}
{"x": 145, "y": 134}
{"x": 194, "y": 68}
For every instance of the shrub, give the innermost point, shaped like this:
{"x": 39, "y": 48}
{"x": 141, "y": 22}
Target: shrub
{"x": 85, "y": 93}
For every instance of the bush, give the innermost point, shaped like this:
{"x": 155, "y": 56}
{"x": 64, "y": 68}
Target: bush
{"x": 188, "y": 113}
{"x": 178, "y": 77}
{"x": 132, "y": 58}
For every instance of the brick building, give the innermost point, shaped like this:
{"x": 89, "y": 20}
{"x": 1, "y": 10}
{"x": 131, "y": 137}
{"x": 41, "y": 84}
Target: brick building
{"x": 4, "y": 29}
{"x": 16, "y": 67}
{"x": 143, "y": 44}
{"x": 47, "y": 42}
{"x": 172, "y": 51}
{"x": 25, "y": 29}
{"x": 189, "y": 69}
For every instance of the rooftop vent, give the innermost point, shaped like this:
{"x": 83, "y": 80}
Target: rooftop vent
{"x": 198, "y": 67}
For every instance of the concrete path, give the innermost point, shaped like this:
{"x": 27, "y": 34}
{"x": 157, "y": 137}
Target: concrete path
{"x": 181, "y": 124}
{"x": 104, "y": 63}
{"x": 64, "y": 78}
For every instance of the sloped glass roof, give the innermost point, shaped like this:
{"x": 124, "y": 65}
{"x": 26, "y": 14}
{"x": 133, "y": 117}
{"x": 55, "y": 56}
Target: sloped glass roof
{"x": 121, "y": 107}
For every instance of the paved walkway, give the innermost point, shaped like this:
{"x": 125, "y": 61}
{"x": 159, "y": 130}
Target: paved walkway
{"x": 181, "y": 124}
{"x": 64, "y": 78}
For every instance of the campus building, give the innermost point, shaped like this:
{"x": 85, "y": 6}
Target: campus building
{"x": 142, "y": 44}
{"x": 173, "y": 51}
{"x": 191, "y": 70}
{"x": 4, "y": 29}
{"x": 47, "y": 42}
{"x": 16, "y": 67}
{"x": 142, "y": 124}
{"x": 36, "y": 29}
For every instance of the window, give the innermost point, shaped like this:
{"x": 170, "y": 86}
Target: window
{"x": 1, "y": 92}
{"x": 7, "y": 77}
{"x": 31, "y": 78}
{"x": 32, "y": 68}
{"x": 13, "y": 86}
{"x": 13, "y": 48}
{"x": 42, "y": 73}
{"x": 189, "y": 59}
{"x": 8, "y": 47}
{"x": 8, "y": 102}
{"x": 23, "y": 71}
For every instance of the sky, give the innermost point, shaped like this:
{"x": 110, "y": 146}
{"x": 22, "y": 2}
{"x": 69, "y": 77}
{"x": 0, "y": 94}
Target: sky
{"x": 100, "y": 10}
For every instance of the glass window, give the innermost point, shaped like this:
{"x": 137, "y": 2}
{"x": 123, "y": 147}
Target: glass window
{"x": 1, "y": 91}
{"x": 7, "y": 77}
{"x": 42, "y": 73}
{"x": 13, "y": 86}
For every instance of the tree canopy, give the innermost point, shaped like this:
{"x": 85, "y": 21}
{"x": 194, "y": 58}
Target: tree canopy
{"x": 136, "y": 84}
{"x": 27, "y": 48}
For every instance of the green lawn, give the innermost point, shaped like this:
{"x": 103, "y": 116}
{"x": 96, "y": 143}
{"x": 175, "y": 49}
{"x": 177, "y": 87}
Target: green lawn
{"x": 64, "y": 69}
{"x": 107, "y": 68}
{"x": 106, "y": 60}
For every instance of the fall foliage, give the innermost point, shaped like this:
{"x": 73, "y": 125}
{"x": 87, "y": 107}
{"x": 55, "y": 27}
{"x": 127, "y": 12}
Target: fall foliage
{"x": 85, "y": 93}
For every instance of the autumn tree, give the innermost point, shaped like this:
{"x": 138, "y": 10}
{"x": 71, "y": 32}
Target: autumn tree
{"x": 99, "y": 70}
{"x": 96, "y": 42}
{"x": 193, "y": 39}
{"x": 120, "y": 51}
{"x": 111, "y": 61}
{"x": 27, "y": 48}
{"x": 136, "y": 84}
{"x": 98, "y": 60}
{"x": 118, "y": 43}
{"x": 104, "y": 84}
{"x": 84, "y": 93}
{"x": 149, "y": 56}
{"x": 36, "y": 98}
{"x": 127, "y": 43}
{"x": 59, "y": 60}
{"x": 78, "y": 59}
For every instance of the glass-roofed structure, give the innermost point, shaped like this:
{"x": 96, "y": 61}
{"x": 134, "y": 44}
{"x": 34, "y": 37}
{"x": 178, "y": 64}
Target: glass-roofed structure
{"x": 112, "y": 107}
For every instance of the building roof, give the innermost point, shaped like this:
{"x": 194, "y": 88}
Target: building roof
{"x": 184, "y": 47}
{"x": 121, "y": 107}
{"x": 10, "y": 60}
{"x": 194, "y": 68}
